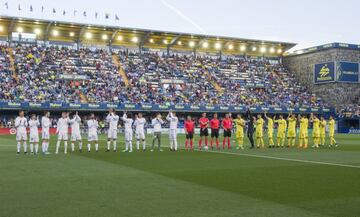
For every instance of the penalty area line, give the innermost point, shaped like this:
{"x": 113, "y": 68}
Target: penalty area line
{"x": 286, "y": 159}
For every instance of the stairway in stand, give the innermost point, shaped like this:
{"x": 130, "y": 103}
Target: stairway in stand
{"x": 116, "y": 61}
{"x": 213, "y": 81}
{"x": 83, "y": 98}
{"x": 12, "y": 63}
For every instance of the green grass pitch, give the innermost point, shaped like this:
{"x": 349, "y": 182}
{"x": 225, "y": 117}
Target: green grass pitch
{"x": 261, "y": 182}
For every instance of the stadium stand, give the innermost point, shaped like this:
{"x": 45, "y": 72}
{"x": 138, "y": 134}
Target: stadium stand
{"x": 65, "y": 74}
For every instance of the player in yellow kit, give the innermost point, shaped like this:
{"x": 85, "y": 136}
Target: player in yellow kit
{"x": 240, "y": 125}
{"x": 259, "y": 131}
{"x": 281, "y": 131}
{"x": 303, "y": 141}
{"x": 322, "y": 131}
{"x": 291, "y": 134}
{"x": 306, "y": 130}
{"x": 332, "y": 132}
{"x": 270, "y": 130}
{"x": 316, "y": 130}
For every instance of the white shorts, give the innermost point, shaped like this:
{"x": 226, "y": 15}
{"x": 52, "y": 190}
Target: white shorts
{"x": 34, "y": 138}
{"x": 21, "y": 136}
{"x": 112, "y": 134}
{"x": 63, "y": 136}
{"x": 45, "y": 134}
{"x": 140, "y": 134}
{"x": 92, "y": 137}
{"x": 76, "y": 136}
{"x": 128, "y": 135}
{"x": 172, "y": 134}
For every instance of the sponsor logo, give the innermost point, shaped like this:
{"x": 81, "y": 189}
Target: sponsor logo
{"x": 129, "y": 106}
{"x": 224, "y": 108}
{"x": 324, "y": 71}
{"x": 111, "y": 106}
{"x": 14, "y": 104}
{"x": 354, "y": 131}
{"x": 179, "y": 107}
{"x": 12, "y": 131}
{"x": 37, "y": 105}
{"x": 55, "y": 105}
{"x": 146, "y": 106}
{"x": 163, "y": 106}
{"x": 74, "y": 105}
{"x": 94, "y": 105}
{"x": 194, "y": 107}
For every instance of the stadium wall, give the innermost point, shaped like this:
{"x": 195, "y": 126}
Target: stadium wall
{"x": 336, "y": 93}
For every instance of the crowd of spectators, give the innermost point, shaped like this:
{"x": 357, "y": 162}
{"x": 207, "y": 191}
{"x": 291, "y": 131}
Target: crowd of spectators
{"x": 157, "y": 78}
{"x": 42, "y": 74}
{"x": 69, "y": 75}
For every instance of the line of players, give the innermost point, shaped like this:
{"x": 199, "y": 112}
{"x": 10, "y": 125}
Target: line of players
{"x": 112, "y": 119}
{"x": 253, "y": 124}
{"x": 286, "y": 128}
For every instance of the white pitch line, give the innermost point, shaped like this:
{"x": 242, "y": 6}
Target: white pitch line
{"x": 287, "y": 159}
{"x": 261, "y": 156}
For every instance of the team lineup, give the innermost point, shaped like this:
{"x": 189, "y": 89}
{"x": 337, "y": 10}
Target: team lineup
{"x": 286, "y": 128}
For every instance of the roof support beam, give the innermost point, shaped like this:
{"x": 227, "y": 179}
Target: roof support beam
{"x": 113, "y": 37}
{"x": 81, "y": 33}
{"x": 144, "y": 39}
{"x": 47, "y": 30}
{"x": 173, "y": 41}
{"x": 203, "y": 40}
{"x": 11, "y": 29}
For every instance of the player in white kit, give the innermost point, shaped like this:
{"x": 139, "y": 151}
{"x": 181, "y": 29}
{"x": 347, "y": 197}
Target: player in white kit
{"x": 171, "y": 117}
{"x": 128, "y": 121}
{"x": 140, "y": 131}
{"x": 21, "y": 135}
{"x": 34, "y": 124}
{"x": 93, "y": 125}
{"x": 45, "y": 132}
{"x": 75, "y": 132}
{"x": 157, "y": 129}
{"x": 62, "y": 131}
{"x": 112, "y": 119}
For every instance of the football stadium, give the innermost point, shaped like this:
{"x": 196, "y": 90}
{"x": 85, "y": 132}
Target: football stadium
{"x": 108, "y": 120}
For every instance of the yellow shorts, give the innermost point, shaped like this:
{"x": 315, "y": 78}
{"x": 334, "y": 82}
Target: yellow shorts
{"x": 281, "y": 135}
{"x": 239, "y": 134}
{"x": 302, "y": 135}
{"x": 316, "y": 134}
{"x": 259, "y": 134}
{"x": 291, "y": 133}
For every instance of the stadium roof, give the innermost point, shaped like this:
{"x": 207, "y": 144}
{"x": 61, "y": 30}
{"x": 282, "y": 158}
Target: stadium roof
{"x": 103, "y": 35}
{"x": 323, "y": 47}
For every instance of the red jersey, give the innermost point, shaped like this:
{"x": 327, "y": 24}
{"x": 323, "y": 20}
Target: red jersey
{"x": 189, "y": 126}
{"x": 203, "y": 122}
{"x": 214, "y": 123}
{"x": 227, "y": 123}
